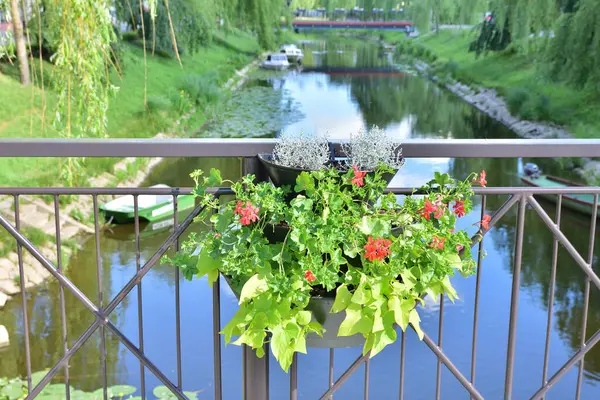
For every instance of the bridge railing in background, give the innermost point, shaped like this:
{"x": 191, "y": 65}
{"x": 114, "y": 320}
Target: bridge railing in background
{"x": 255, "y": 378}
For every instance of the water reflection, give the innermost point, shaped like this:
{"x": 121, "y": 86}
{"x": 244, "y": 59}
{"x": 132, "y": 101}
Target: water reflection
{"x": 341, "y": 103}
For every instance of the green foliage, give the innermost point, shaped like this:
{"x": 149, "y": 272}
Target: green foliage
{"x": 522, "y": 103}
{"x": 492, "y": 37}
{"x": 202, "y": 89}
{"x": 343, "y": 236}
{"x": 157, "y": 104}
{"x": 516, "y": 99}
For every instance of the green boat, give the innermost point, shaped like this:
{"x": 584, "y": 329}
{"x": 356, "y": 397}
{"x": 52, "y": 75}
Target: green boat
{"x": 150, "y": 207}
{"x": 583, "y": 203}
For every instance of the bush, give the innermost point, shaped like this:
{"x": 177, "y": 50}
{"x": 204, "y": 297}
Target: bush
{"x": 516, "y": 100}
{"x": 542, "y": 108}
{"x": 130, "y": 36}
{"x": 157, "y": 104}
{"x": 181, "y": 101}
{"x": 451, "y": 68}
{"x": 202, "y": 89}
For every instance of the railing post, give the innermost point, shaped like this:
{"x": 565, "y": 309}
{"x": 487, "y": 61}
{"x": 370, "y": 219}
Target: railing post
{"x": 255, "y": 370}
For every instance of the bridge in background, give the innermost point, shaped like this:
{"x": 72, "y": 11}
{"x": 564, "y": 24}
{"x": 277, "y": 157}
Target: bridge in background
{"x": 405, "y": 26}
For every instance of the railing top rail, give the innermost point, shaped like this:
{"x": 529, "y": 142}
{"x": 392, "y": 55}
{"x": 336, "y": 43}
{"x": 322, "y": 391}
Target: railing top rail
{"x": 412, "y": 148}
{"x": 62, "y": 191}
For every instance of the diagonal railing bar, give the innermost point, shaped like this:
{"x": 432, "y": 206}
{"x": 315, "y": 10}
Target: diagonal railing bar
{"x": 451, "y": 367}
{"x": 344, "y": 377}
{"x": 564, "y": 241}
{"x": 567, "y": 366}
{"x": 501, "y": 212}
{"x": 101, "y": 317}
{"x": 152, "y": 261}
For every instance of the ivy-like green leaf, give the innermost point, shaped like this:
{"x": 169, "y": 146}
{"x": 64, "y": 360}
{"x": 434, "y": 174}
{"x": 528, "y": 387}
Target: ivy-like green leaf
{"x": 357, "y": 321}
{"x": 207, "y": 265}
{"x": 415, "y": 321}
{"x": 252, "y": 288}
{"x": 222, "y": 220}
{"x": 305, "y": 183}
{"x": 214, "y": 178}
{"x": 303, "y": 317}
{"x": 449, "y": 289}
{"x": 385, "y": 336}
{"x": 342, "y": 299}
{"x": 362, "y": 294}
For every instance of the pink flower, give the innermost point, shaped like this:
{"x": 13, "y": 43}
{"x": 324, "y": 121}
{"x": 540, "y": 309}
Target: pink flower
{"x": 485, "y": 222}
{"x": 437, "y": 243}
{"x": 358, "y": 176}
{"x": 481, "y": 180}
{"x": 428, "y": 209}
{"x": 459, "y": 247}
{"x": 247, "y": 214}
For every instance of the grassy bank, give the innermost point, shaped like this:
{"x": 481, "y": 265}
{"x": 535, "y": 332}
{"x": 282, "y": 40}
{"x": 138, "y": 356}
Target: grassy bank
{"x": 171, "y": 91}
{"x": 516, "y": 77}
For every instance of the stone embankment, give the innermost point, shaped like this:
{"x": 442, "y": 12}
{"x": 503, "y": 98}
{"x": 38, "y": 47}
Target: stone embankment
{"x": 489, "y": 102}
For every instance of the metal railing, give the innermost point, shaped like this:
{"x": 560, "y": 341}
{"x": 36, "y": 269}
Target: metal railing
{"x": 255, "y": 370}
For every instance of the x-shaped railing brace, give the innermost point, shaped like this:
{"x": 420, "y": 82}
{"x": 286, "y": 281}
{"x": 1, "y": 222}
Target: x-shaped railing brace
{"x": 102, "y": 313}
{"x": 437, "y": 350}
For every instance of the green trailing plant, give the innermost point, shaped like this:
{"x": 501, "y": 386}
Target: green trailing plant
{"x": 344, "y": 238}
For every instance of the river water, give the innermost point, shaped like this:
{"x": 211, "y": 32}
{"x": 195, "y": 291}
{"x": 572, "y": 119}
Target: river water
{"x": 339, "y": 92}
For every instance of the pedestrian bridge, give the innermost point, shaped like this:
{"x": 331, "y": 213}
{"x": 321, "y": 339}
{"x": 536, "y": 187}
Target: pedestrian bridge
{"x": 405, "y": 26}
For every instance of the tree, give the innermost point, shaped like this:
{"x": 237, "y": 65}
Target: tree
{"x": 19, "y": 38}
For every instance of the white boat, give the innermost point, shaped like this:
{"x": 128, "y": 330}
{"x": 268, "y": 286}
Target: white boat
{"x": 293, "y": 53}
{"x": 276, "y": 61}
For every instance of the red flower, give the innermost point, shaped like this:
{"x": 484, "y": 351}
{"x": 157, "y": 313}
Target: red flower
{"x": 217, "y": 235}
{"x": 248, "y": 214}
{"x": 485, "y": 221}
{"x": 481, "y": 179}
{"x": 441, "y": 209}
{"x": 428, "y": 209}
{"x": 437, "y": 243}
{"x": 459, "y": 247}
{"x": 377, "y": 249}
{"x": 358, "y": 176}
{"x": 459, "y": 208}
{"x": 310, "y": 277}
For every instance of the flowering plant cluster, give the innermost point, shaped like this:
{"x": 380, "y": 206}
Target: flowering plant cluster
{"x": 343, "y": 237}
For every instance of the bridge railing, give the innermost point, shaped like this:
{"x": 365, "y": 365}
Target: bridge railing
{"x": 255, "y": 370}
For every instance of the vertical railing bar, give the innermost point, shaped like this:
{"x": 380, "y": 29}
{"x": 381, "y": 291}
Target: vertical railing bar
{"x": 367, "y": 371}
{"x": 514, "y": 303}
{"x": 476, "y": 307}
{"x": 61, "y": 293}
{"x": 587, "y": 295}
{"x": 402, "y": 351}
{"x": 551, "y": 294}
{"x": 138, "y": 265}
{"x": 217, "y": 371}
{"x": 23, "y": 295}
{"x": 438, "y": 381}
{"x": 331, "y": 363}
{"x": 100, "y": 295}
{"x": 294, "y": 378}
{"x": 177, "y": 297}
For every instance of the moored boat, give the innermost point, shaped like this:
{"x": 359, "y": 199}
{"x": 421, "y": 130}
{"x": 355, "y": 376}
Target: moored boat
{"x": 292, "y": 52}
{"x": 583, "y": 203}
{"x": 276, "y": 61}
{"x": 150, "y": 207}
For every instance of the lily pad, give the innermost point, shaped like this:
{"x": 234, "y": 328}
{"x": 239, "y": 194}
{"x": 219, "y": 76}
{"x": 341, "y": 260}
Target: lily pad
{"x": 13, "y": 390}
{"x": 163, "y": 393}
{"x": 37, "y": 377}
{"x": 122, "y": 390}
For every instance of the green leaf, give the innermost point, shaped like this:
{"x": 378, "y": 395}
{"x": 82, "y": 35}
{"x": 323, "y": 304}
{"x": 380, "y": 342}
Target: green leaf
{"x": 450, "y": 291}
{"x": 415, "y": 321}
{"x": 362, "y": 294}
{"x": 305, "y": 183}
{"x": 208, "y": 266}
{"x": 300, "y": 345}
{"x": 374, "y": 227}
{"x": 342, "y": 299}
{"x": 14, "y": 390}
{"x": 252, "y": 288}
{"x": 214, "y": 178}
{"x": 454, "y": 260}
{"x": 385, "y": 336}
{"x": 122, "y": 390}
{"x": 222, "y": 220}
{"x": 304, "y": 317}
{"x": 377, "y": 321}
{"x": 356, "y": 321}
{"x": 401, "y": 309}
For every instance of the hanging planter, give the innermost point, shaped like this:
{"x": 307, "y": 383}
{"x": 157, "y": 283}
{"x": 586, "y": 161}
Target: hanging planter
{"x": 331, "y": 262}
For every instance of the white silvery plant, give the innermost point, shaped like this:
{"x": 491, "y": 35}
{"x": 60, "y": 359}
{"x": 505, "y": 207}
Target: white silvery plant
{"x": 304, "y": 151}
{"x": 369, "y": 148}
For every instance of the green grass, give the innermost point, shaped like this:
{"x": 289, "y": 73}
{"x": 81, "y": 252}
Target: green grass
{"x": 578, "y": 110}
{"x": 23, "y": 116}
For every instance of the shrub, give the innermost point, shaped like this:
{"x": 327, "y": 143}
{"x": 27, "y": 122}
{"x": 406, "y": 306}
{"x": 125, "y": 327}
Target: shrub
{"x": 542, "y": 107}
{"x": 516, "y": 100}
{"x": 201, "y": 89}
{"x": 130, "y": 36}
{"x": 180, "y": 101}
{"x": 157, "y": 104}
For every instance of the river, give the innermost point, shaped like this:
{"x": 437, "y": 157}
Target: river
{"x": 338, "y": 93}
